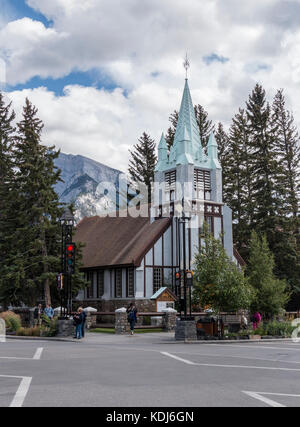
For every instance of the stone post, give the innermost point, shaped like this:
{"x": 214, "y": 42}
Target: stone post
{"x": 90, "y": 317}
{"x": 185, "y": 330}
{"x": 65, "y": 328}
{"x": 121, "y": 323}
{"x": 169, "y": 320}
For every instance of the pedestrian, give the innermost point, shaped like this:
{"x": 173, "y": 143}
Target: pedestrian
{"x": 256, "y": 319}
{"x": 132, "y": 316}
{"x": 78, "y": 317}
{"x": 49, "y": 312}
{"x": 37, "y": 315}
{"x": 83, "y": 322}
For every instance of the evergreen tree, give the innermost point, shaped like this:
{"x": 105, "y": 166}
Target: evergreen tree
{"x": 264, "y": 167}
{"x": 204, "y": 124}
{"x": 288, "y": 148}
{"x": 172, "y": 129}
{"x": 7, "y": 205}
{"x": 271, "y": 293}
{"x": 36, "y": 263}
{"x": 143, "y": 161}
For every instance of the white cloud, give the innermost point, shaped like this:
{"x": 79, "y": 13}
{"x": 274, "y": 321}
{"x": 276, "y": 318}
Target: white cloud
{"x": 140, "y": 45}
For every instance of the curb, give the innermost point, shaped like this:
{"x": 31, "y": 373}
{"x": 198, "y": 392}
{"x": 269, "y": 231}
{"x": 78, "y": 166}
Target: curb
{"x": 13, "y": 337}
{"x": 246, "y": 341}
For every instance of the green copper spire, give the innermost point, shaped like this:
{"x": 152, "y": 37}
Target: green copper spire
{"x": 187, "y": 147}
{"x": 163, "y": 154}
{"x": 212, "y": 151}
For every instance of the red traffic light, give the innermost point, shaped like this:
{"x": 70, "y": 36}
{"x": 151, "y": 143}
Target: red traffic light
{"x": 70, "y": 248}
{"x": 177, "y": 276}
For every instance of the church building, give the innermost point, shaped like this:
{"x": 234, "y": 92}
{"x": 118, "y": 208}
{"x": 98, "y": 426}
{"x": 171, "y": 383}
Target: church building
{"x": 129, "y": 258}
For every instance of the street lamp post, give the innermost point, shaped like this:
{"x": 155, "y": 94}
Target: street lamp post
{"x": 183, "y": 221}
{"x": 67, "y": 224}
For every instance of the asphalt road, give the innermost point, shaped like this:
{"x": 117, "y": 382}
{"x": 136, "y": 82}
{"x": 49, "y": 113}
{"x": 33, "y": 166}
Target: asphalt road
{"x": 148, "y": 370}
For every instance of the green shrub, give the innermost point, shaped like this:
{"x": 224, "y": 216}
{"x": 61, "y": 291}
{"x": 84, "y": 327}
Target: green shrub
{"x": 49, "y": 327}
{"x": 12, "y": 320}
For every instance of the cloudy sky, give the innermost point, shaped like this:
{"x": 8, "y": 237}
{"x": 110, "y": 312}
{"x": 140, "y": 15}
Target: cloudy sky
{"x": 103, "y": 71}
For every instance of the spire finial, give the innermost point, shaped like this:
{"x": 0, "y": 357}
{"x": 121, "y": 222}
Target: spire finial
{"x": 186, "y": 65}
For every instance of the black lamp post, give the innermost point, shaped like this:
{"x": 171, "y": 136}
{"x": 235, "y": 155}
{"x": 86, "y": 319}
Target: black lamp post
{"x": 183, "y": 221}
{"x": 67, "y": 224}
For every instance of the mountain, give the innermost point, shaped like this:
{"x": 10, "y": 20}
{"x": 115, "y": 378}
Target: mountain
{"x": 87, "y": 183}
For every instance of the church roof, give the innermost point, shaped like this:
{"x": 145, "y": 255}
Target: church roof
{"x": 117, "y": 241}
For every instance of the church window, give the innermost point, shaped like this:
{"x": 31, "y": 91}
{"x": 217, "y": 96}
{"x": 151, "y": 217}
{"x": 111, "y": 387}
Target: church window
{"x": 209, "y": 224}
{"x": 90, "y": 286}
{"x": 202, "y": 184}
{"x": 100, "y": 283}
{"x": 157, "y": 279}
{"x": 118, "y": 283}
{"x": 130, "y": 282}
{"x": 170, "y": 180}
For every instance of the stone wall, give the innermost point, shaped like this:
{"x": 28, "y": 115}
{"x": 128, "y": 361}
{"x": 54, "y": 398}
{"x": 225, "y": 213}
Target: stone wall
{"x": 143, "y": 305}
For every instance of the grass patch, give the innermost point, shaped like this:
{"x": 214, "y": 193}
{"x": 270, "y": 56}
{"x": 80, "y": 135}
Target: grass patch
{"x": 112, "y": 331}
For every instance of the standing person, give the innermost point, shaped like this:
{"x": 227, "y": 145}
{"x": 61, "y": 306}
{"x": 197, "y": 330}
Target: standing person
{"x": 83, "y": 321}
{"x": 132, "y": 316}
{"x": 78, "y": 323}
{"x": 256, "y": 319}
{"x": 49, "y": 312}
{"x": 37, "y": 315}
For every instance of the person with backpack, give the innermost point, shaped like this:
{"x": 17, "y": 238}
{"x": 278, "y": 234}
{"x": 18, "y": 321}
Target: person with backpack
{"x": 132, "y": 316}
{"x": 83, "y": 322}
{"x": 78, "y": 319}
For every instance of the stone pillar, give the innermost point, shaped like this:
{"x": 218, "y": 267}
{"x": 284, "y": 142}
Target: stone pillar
{"x": 185, "y": 330}
{"x": 121, "y": 323}
{"x": 65, "y": 328}
{"x": 91, "y": 317}
{"x": 169, "y": 320}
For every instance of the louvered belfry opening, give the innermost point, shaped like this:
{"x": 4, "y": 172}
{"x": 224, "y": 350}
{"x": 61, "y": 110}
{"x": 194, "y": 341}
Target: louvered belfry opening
{"x": 202, "y": 184}
{"x": 170, "y": 180}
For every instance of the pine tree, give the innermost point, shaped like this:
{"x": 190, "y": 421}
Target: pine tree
{"x": 172, "y": 129}
{"x": 288, "y": 148}
{"x": 204, "y": 124}
{"x": 271, "y": 293}
{"x": 37, "y": 231}
{"x": 143, "y": 161}
{"x": 7, "y": 197}
{"x": 224, "y": 156}
{"x": 264, "y": 168}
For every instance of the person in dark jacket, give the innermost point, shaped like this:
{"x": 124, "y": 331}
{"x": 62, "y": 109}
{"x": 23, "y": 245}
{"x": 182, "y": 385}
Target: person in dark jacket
{"x": 78, "y": 318}
{"x": 83, "y": 321}
{"x": 132, "y": 316}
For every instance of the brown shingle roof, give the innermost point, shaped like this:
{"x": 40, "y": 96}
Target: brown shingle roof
{"x": 117, "y": 241}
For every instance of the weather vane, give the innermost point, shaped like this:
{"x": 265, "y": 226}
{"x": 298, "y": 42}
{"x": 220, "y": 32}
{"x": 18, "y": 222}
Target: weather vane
{"x": 186, "y": 65}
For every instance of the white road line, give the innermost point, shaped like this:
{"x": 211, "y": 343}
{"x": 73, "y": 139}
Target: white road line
{"x": 256, "y": 346}
{"x": 38, "y": 353}
{"x": 230, "y": 356}
{"x": 37, "y": 356}
{"x": 260, "y": 396}
{"x": 22, "y": 391}
{"x": 213, "y": 365}
{"x": 263, "y": 399}
{"x": 188, "y": 362}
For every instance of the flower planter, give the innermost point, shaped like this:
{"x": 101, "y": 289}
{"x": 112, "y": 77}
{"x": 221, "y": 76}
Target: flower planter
{"x": 255, "y": 337}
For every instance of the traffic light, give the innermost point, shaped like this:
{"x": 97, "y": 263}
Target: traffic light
{"x": 70, "y": 257}
{"x": 60, "y": 283}
{"x": 177, "y": 278}
{"x": 189, "y": 278}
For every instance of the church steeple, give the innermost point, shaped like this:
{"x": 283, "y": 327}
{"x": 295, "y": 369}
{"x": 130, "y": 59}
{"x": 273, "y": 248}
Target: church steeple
{"x": 187, "y": 138}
